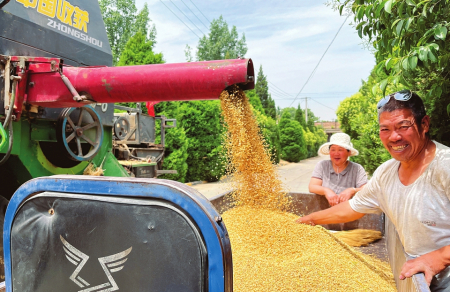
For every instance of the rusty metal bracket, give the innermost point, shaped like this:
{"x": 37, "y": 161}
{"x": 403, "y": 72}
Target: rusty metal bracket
{"x": 53, "y": 66}
{"x": 72, "y": 89}
{"x": 7, "y": 83}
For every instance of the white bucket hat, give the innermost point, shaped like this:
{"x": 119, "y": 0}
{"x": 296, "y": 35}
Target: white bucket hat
{"x": 340, "y": 139}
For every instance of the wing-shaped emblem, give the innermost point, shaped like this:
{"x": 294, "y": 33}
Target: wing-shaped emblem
{"x": 77, "y": 258}
{"x": 110, "y": 264}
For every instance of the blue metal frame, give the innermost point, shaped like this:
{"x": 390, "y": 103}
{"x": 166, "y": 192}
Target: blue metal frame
{"x": 197, "y": 206}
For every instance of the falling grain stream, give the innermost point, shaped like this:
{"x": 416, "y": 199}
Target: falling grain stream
{"x": 270, "y": 251}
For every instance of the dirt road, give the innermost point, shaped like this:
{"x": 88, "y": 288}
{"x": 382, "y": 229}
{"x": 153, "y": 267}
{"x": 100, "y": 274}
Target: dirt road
{"x": 295, "y": 177}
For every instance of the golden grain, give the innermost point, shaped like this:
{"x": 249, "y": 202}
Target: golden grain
{"x": 255, "y": 180}
{"x": 270, "y": 251}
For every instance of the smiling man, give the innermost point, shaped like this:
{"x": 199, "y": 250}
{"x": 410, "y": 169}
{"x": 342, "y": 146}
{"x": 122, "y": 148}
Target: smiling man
{"x": 412, "y": 189}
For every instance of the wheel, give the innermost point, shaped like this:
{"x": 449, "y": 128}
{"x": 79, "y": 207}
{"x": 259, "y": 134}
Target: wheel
{"x": 121, "y": 128}
{"x": 80, "y": 132}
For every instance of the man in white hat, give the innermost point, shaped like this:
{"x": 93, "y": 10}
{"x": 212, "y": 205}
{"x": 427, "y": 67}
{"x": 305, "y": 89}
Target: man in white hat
{"x": 412, "y": 189}
{"x": 338, "y": 179}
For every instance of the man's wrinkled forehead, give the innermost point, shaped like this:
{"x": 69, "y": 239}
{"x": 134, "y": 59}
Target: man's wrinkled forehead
{"x": 396, "y": 117}
{"x": 404, "y": 122}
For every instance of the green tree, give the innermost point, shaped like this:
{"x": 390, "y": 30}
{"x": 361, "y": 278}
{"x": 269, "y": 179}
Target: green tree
{"x": 321, "y": 137}
{"x": 292, "y": 141}
{"x": 122, "y": 21}
{"x": 268, "y": 126}
{"x": 312, "y": 119}
{"x": 220, "y": 43}
{"x": 262, "y": 90}
{"x": 291, "y": 110}
{"x": 255, "y": 101}
{"x": 139, "y": 51}
{"x": 176, "y": 145}
{"x": 176, "y": 154}
{"x": 300, "y": 117}
{"x": 412, "y": 46}
{"x": 348, "y": 111}
{"x": 314, "y": 140}
{"x": 202, "y": 123}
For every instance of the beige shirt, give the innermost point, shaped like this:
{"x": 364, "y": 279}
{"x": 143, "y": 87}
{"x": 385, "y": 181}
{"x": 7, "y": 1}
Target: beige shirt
{"x": 420, "y": 211}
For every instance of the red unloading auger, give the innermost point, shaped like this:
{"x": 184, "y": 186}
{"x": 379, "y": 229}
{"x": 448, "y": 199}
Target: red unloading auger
{"x": 46, "y": 82}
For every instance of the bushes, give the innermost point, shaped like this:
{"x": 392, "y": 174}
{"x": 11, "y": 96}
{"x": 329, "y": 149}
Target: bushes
{"x": 269, "y": 129}
{"x": 201, "y": 121}
{"x": 293, "y": 144}
{"x": 195, "y": 150}
{"x": 314, "y": 140}
{"x": 200, "y": 130}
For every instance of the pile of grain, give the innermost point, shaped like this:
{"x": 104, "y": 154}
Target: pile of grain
{"x": 270, "y": 251}
{"x": 255, "y": 179}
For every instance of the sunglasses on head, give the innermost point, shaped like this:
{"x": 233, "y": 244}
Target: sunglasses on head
{"x": 403, "y": 95}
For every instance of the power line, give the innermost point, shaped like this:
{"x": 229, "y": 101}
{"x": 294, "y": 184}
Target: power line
{"x": 186, "y": 16}
{"x": 320, "y": 97}
{"x": 275, "y": 90}
{"x": 312, "y": 73}
{"x": 325, "y": 93}
{"x": 200, "y": 11}
{"x": 322, "y": 104}
{"x": 287, "y": 96}
{"x": 279, "y": 88}
{"x": 195, "y": 15}
{"x": 311, "y": 93}
{"x": 179, "y": 18}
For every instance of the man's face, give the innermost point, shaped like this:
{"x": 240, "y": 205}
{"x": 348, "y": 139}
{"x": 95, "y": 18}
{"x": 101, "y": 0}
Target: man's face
{"x": 401, "y": 136}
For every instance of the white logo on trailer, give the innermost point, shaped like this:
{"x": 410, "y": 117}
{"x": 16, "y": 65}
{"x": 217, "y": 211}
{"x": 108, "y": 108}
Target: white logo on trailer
{"x": 110, "y": 264}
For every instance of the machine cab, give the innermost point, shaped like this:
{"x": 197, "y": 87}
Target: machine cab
{"x": 79, "y": 233}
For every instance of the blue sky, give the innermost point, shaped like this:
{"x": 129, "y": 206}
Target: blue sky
{"x": 287, "y": 38}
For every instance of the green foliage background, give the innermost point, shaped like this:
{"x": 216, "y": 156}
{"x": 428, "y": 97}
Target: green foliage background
{"x": 292, "y": 141}
{"x": 122, "y": 21}
{"x": 412, "y": 50}
{"x": 221, "y": 43}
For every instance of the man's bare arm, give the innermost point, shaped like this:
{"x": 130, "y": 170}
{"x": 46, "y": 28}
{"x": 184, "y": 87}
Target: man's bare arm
{"x": 340, "y": 213}
{"x": 430, "y": 264}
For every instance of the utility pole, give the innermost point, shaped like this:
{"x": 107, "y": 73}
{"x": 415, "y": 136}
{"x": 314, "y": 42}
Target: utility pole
{"x": 306, "y": 110}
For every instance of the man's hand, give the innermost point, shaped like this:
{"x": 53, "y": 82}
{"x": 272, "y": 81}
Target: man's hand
{"x": 430, "y": 264}
{"x": 346, "y": 194}
{"x": 305, "y": 220}
{"x": 331, "y": 196}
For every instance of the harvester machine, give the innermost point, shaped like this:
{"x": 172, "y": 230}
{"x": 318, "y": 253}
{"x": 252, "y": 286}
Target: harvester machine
{"x": 125, "y": 230}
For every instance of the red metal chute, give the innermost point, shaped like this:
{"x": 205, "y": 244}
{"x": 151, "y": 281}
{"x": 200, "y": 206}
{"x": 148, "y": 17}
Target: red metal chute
{"x": 152, "y": 83}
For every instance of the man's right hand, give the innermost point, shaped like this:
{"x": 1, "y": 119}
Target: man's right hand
{"x": 332, "y": 198}
{"x": 305, "y": 220}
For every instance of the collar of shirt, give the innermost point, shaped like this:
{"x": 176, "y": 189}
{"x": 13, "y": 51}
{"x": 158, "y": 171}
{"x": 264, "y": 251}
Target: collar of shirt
{"x": 342, "y": 172}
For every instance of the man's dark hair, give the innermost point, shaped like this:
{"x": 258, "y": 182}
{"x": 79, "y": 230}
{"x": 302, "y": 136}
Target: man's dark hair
{"x": 415, "y": 104}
